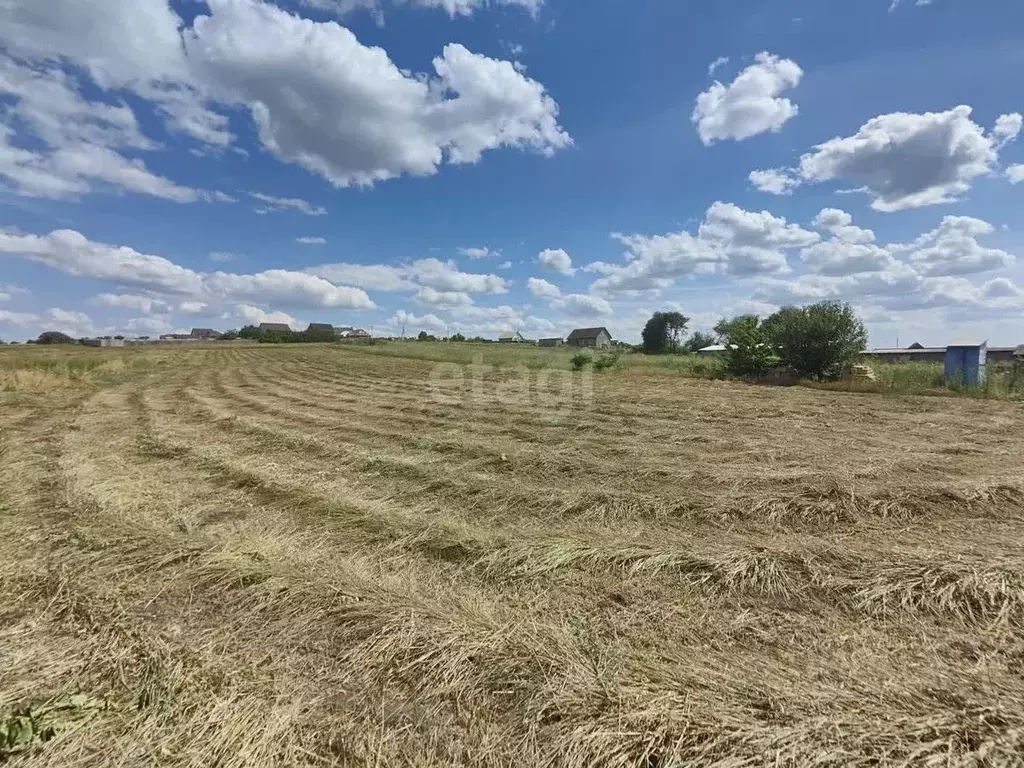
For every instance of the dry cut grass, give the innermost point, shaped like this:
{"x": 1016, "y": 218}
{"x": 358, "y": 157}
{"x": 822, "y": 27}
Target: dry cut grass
{"x": 295, "y": 556}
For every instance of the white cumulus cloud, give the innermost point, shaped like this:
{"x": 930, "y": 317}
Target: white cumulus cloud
{"x": 71, "y": 252}
{"x": 347, "y": 112}
{"x": 557, "y": 260}
{"x": 582, "y": 305}
{"x": 542, "y": 289}
{"x": 905, "y": 160}
{"x": 751, "y": 104}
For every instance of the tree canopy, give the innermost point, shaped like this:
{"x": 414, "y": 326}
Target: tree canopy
{"x": 54, "y": 337}
{"x": 816, "y": 341}
{"x": 698, "y": 341}
{"x": 662, "y": 333}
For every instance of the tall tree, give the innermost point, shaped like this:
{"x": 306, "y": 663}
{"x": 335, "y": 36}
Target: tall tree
{"x": 662, "y": 333}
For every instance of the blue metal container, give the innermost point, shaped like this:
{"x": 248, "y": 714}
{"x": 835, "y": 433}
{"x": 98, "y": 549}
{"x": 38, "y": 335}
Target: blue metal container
{"x": 966, "y": 363}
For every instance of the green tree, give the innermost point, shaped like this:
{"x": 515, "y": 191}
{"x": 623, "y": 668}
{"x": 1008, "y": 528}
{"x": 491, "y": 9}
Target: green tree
{"x": 662, "y": 332}
{"x": 54, "y": 337}
{"x": 457, "y": 337}
{"x": 698, "y": 341}
{"x": 818, "y": 341}
{"x": 727, "y": 324}
{"x": 249, "y": 332}
{"x": 747, "y": 352}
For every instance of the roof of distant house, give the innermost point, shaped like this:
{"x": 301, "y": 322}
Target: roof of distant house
{"x": 588, "y": 333}
{"x": 204, "y": 332}
{"x": 320, "y": 327}
{"x": 275, "y": 327}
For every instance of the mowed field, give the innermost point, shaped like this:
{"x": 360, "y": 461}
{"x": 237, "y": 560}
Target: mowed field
{"x": 299, "y": 555}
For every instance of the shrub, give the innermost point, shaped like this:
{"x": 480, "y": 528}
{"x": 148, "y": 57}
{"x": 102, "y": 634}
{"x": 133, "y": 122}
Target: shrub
{"x": 580, "y": 361}
{"x": 54, "y": 337}
{"x": 606, "y": 362}
{"x": 747, "y": 353}
{"x": 817, "y": 341}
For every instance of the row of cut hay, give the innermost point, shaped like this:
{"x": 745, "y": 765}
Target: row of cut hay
{"x": 965, "y": 593}
{"x": 837, "y": 504}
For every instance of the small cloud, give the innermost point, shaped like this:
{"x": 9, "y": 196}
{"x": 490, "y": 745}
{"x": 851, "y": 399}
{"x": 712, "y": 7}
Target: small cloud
{"x": 478, "y": 253}
{"x": 222, "y": 256}
{"x": 713, "y": 67}
{"x": 274, "y": 204}
{"x": 311, "y": 241}
{"x": 557, "y": 260}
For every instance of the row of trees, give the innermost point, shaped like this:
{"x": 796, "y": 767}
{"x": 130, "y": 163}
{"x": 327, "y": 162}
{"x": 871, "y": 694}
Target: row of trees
{"x": 253, "y": 333}
{"x": 815, "y": 342}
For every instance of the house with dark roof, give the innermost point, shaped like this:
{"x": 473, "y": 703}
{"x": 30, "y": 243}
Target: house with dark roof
{"x": 320, "y": 328}
{"x": 358, "y": 333}
{"x": 596, "y": 338}
{"x": 511, "y": 338}
{"x": 551, "y": 343}
{"x": 275, "y": 328}
{"x": 204, "y": 334}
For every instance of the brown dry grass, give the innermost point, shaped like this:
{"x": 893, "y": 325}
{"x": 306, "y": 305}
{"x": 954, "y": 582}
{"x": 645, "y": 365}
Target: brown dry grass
{"x": 293, "y": 556}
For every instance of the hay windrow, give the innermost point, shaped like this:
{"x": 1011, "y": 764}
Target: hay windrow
{"x": 271, "y": 555}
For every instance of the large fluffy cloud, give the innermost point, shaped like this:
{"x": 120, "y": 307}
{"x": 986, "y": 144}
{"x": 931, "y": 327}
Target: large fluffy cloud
{"x": 953, "y": 249}
{"x": 319, "y": 97}
{"x": 429, "y": 297}
{"x": 66, "y": 145}
{"x": 542, "y": 289}
{"x": 71, "y": 252}
{"x": 927, "y": 273}
{"x": 445, "y": 276}
{"x": 751, "y": 243}
{"x": 377, "y": 277}
{"x": 582, "y": 305}
{"x": 346, "y": 111}
{"x": 729, "y": 240}
{"x": 904, "y": 160}
{"x": 751, "y": 104}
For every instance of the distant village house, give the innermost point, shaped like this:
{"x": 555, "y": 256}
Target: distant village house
{"x": 551, "y": 343}
{"x": 275, "y": 328}
{"x": 511, "y": 338}
{"x": 596, "y": 338}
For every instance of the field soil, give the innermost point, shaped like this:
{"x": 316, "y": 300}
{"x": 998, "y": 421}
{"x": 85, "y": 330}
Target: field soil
{"x": 305, "y": 555}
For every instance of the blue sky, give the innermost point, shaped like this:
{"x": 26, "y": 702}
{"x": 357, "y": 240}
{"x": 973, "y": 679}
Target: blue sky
{"x": 492, "y": 165}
